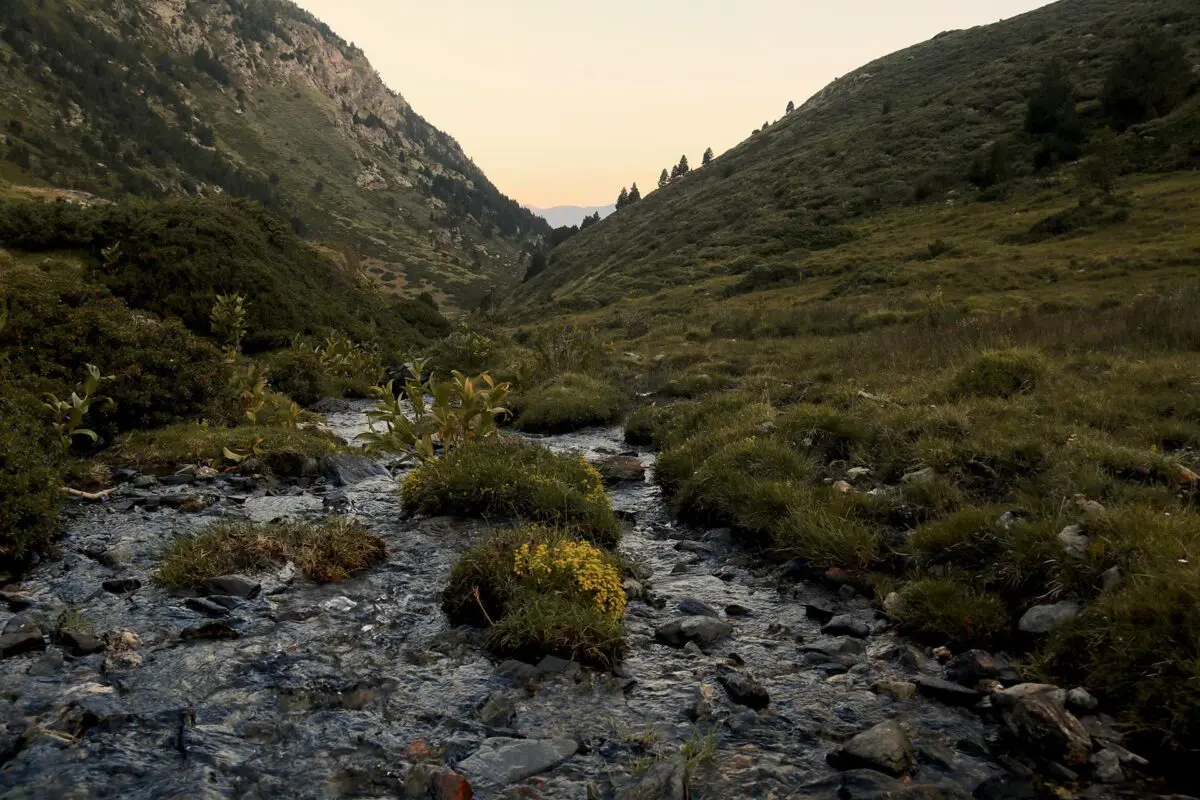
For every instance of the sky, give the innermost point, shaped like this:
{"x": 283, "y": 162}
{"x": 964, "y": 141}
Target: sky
{"x": 562, "y": 102}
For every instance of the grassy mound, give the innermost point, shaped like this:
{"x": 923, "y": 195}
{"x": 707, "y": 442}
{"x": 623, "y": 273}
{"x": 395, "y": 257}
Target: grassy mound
{"x": 570, "y": 402}
{"x": 282, "y": 450}
{"x": 509, "y": 478}
{"x": 950, "y": 612}
{"x": 325, "y": 552}
{"x": 1001, "y": 373}
{"x": 540, "y": 592}
{"x": 29, "y": 481}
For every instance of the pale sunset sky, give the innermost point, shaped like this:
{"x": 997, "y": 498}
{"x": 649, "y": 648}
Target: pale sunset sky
{"x": 563, "y": 102}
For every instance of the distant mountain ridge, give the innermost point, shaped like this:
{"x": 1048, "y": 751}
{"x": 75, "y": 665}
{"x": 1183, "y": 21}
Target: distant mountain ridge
{"x": 566, "y": 216}
{"x": 262, "y": 100}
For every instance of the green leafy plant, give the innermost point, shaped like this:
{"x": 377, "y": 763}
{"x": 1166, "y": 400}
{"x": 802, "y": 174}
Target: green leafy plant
{"x": 251, "y": 388}
{"x": 446, "y": 413}
{"x": 68, "y": 415}
{"x": 229, "y": 320}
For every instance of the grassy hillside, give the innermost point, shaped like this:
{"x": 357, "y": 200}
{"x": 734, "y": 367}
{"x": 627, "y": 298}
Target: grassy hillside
{"x": 260, "y": 101}
{"x": 904, "y": 130}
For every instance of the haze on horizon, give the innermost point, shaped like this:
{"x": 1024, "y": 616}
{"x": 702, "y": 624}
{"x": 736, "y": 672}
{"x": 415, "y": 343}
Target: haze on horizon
{"x": 565, "y": 103}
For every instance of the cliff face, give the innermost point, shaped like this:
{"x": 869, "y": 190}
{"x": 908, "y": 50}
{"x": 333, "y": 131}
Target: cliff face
{"x": 261, "y": 99}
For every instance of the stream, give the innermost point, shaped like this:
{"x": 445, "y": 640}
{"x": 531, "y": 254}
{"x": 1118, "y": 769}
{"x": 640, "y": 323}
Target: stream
{"x": 361, "y": 688}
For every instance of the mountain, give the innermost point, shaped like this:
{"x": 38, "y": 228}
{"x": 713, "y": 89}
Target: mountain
{"x": 903, "y": 130}
{"x": 257, "y": 99}
{"x": 567, "y": 216}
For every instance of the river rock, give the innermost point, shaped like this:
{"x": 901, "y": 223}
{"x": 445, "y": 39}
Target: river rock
{"x": 1080, "y": 700}
{"x": 949, "y": 693}
{"x": 1036, "y": 717}
{"x": 820, "y": 611}
{"x": 121, "y": 585}
{"x": 665, "y": 780}
{"x": 348, "y": 469}
{"x": 885, "y": 748}
{"x": 745, "y": 690}
{"x": 46, "y": 666}
{"x": 216, "y": 629}
{"x": 206, "y": 607}
{"x": 1106, "y": 767}
{"x": 621, "y": 469}
{"x": 1007, "y": 787}
{"x": 80, "y": 644}
{"x": 1045, "y": 619}
{"x": 691, "y": 607}
{"x": 735, "y": 610}
{"x": 20, "y": 635}
{"x": 901, "y": 690}
{"x": 232, "y": 586}
{"x": 502, "y": 761}
{"x": 847, "y": 625}
{"x": 973, "y": 666}
{"x": 700, "y": 629}
{"x": 425, "y": 782}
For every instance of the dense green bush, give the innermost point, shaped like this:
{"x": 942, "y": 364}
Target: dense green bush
{"x": 161, "y": 372}
{"x": 30, "y": 492}
{"x": 498, "y": 477}
{"x": 174, "y": 257}
{"x": 569, "y": 403}
{"x": 299, "y": 374}
{"x": 540, "y": 592}
{"x": 1001, "y": 373}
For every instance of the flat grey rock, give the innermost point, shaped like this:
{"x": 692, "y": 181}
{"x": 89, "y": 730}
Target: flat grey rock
{"x": 502, "y": 761}
{"x": 347, "y": 469}
{"x": 699, "y": 629}
{"x": 1045, "y": 619}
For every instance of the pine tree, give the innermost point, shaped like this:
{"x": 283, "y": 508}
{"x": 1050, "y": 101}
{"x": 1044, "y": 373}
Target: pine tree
{"x": 1149, "y": 79}
{"x": 684, "y": 169}
{"x": 635, "y": 194}
{"x": 674, "y": 172}
{"x": 663, "y": 179}
{"x": 791, "y": 107}
{"x": 708, "y": 157}
{"x": 623, "y": 199}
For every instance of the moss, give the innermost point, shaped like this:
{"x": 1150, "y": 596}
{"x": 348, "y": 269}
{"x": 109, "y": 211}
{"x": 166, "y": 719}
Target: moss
{"x": 500, "y": 477}
{"x": 950, "y": 612}
{"x": 30, "y": 496}
{"x": 191, "y": 443}
{"x": 540, "y": 592}
{"x": 1001, "y": 373}
{"x": 326, "y": 552}
{"x": 569, "y": 403}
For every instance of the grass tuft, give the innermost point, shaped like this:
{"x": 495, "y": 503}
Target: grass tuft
{"x": 568, "y": 403}
{"x": 945, "y": 611}
{"x": 1001, "y": 373}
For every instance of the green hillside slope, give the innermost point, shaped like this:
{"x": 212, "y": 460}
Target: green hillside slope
{"x": 909, "y": 128}
{"x": 168, "y": 97}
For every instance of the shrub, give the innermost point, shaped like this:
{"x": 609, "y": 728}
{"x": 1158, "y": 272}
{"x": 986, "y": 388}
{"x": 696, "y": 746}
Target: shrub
{"x": 299, "y": 374}
{"x": 972, "y": 539}
{"x": 326, "y": 552}
{"x": 161, "y": 372}
{"x": 1001, "y": 373}
{"x": 830, "y": 434}
{"x": 510, "y": 478}
{"x": 949, "y": 612}
{"x": 568, "y": 403}
{"x": 541, "y": 592}
{"x": 29, "y": 480}
{"x": 644, "y": 426}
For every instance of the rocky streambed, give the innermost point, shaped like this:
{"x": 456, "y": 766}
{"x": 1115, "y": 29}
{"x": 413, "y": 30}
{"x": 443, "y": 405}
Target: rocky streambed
{"x": 753, "y": 684}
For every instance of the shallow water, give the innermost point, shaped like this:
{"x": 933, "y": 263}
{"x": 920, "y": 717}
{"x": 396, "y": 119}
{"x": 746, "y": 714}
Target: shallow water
{"x": 338, "y": 690}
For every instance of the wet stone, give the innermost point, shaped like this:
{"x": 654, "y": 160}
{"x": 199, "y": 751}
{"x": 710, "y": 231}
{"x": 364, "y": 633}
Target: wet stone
{"x": 348, "y": 469}
{"x": 735, "y": 610}
{"x": 884, "y": 748}
{"x": 553, "y": 665}
{"x": 501, "y": 761}
{"x": 973, "y": 666}
{"x": 46, "y": 666}
{"x": 517, "y": 671}
{"x": 947, "y": 692}
{"x": 665, "y": 780}
{"x": 20, "y": 635}
{"x": 231, "y": 586}
{"x": 16, "y": 601}
{"x": 700, "y": 629}
{"x": 745, "y": 690}
{"x": 80, "y": 644}
{"x": 820, "y": 611}
{"x": 122, "y": 585}
{"x": 206, "y": 607}
{"x": 217, "y": 629}
{"x": 847, "y": 625}
{"x": 690, "y": 607}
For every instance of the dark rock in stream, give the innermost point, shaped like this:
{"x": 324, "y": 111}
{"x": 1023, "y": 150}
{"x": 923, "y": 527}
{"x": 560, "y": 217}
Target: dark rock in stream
{"x": 973, "y": 666}
{"x": 232, "y": 586}
{"x": 80, "y": 644}
{"x": 206, "y": 607}
{"x": 744, "y": 690}
{"x": 691, "y": 607}
{"x": 847, "y": 625}
{"x": 702, "y": 630}
{"x": 665, "y": 780}
{"x": 947, "y": 692}
{"x": 122, "y": 585}
{"x": 217, "y": 629}
{"x": 867, "y": 784}
{"x": 20, "y": 635}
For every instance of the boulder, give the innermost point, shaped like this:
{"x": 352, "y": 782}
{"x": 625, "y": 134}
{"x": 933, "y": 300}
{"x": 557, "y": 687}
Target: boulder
{"x": 1044, "y": 619}
{"x": 745, "y": 690}
{"x": 973, "y": 666}
{"x": 885, "y": 748}
{"x": 665, "y": 780}
{"x": 1080, "y": 700}
{"x": 20, "y": 635}
{"x": 501, "y": 761}
{"x": 621, "y": 469}
{"x": 348, "y": 469}
{"x": 1036, "y": 717}
{"x": 702, "y": 630}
